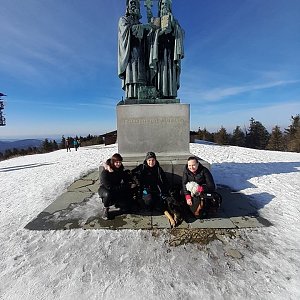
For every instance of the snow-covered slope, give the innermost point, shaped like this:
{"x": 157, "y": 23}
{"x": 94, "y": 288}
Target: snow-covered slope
{"x": 104, "y": 264}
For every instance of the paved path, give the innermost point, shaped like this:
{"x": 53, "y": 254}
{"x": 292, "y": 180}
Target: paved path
{"x": 80, "y": 207}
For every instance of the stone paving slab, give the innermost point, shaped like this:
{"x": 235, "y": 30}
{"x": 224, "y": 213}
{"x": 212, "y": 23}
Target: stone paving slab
{"x": 129, "y": 221}
{"x": 213, "y": 223}
{"x": 249, "y": 222}
{"x": 66, "y": 200}
{"x": 160, "y": 222}
{"x": 80, "y": 207}
{"x": 79, "y": 185}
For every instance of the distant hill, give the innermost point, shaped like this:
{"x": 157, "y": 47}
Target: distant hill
{"x": 20, "y": 144}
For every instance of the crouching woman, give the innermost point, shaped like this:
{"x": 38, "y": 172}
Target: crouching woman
{"x": 154, "y": 186}
{"x": 114, "y": 185}
{"x": 196, "y": 180}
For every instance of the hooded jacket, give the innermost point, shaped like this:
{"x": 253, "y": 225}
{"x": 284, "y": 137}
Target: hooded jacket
{"x": 202, "y": 176}
{"x": 116, "y": 180}
{"x": 153, "y": 178}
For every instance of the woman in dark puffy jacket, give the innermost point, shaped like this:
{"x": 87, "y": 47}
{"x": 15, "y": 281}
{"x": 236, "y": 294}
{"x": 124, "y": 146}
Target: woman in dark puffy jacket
{"x": 153, "y": 182}
{"x": 201, "y": 182}
{"x": 114, "y": 184}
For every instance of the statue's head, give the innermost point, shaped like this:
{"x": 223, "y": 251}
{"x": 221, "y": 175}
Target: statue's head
{"x": 133, "y": 8}
{"x": 164, "y": 7}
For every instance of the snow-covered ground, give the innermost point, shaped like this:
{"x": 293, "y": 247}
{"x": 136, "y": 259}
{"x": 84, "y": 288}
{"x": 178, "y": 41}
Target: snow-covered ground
{"x": 128, "y": 264}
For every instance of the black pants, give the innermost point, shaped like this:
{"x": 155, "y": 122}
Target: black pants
{"x": 196, "y": 200}
{"x": 118, "y": 198}
{"x": 154, "y": 202}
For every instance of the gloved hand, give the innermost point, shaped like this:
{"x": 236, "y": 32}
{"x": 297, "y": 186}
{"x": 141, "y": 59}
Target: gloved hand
{"x": 200, "y": 189}
{"x": 188, "y": 199}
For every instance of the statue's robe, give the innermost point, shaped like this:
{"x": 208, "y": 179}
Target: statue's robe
{"x": 166, "y": 52}
{"x": 131, "y": 56}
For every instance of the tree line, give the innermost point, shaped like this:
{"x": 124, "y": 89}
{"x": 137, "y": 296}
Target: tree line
{"x": 51, "y": 145}
{"x": 256, "y": 136}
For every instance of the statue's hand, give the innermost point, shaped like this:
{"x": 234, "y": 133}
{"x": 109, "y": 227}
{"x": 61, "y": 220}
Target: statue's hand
{"x": 134, "y": 28}
{"x": 137, "y": 30}
{"x": 165, "y": 31}
{"x": 147, "y": 26}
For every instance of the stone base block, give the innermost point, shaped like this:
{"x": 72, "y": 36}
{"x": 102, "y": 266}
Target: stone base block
{"x": 162, "y": 128}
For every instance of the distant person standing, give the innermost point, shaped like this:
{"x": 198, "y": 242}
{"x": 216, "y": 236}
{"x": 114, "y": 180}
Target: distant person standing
{"x": 76, "y": 144}
{"x": 68, "y": 144}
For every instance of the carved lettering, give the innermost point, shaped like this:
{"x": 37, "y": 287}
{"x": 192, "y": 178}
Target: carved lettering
{"x": 157, "y": 120}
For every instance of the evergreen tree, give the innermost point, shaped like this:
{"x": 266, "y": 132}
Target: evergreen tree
{"x": 15, "y": 152}
{"x": 294, "y": 144}
{"x": 238, "y": 137}
{"x": 291, "y": 131}
{"x": 276, "y": 141}
{"x": 35, "y": 150}
{"x": 23, "y": 152}
{"x": 221, "y": 137}
{"x": 54, "y": 145}
{"x": 205, "y": 135}
{"x": 7, "y": 153}
{"x": 292, "y": 134}
{"x": 46, "y": 146}
{"x": 62, "y": 144}
{"x": 98, "y": 140}
{"x": 257, "y": 136}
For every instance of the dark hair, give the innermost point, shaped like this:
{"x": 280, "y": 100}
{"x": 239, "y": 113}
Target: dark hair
{"x": 150, "y": 154}
{"x": 116, "y": 157}
{"x": 192, "y": 158}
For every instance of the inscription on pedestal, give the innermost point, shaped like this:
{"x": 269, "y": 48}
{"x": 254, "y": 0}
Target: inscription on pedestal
{"x": 150, "y": 121}
{"x": 162, "y": 128}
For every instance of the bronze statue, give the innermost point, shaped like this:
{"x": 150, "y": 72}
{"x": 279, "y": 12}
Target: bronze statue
{"x": 132, "y": 45}
{"x": 167, "y": 52}
{"x": 150, "y": 54}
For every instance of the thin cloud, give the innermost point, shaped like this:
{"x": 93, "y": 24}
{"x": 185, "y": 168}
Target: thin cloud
{"x": 99, "y": 105}
{"x": 217, "y": 94}
{"x": 36, "y": 44}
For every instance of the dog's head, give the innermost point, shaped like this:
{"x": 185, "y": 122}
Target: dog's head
{"x": 133, "y": 178}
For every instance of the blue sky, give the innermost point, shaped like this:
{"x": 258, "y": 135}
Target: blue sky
{"x": 58, "y": 64}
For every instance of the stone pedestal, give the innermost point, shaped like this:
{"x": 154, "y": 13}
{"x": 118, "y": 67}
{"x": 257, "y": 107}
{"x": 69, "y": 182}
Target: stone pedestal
{"x": 161, "y": 128}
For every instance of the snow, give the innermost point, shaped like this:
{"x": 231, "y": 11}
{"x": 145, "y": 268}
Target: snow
{"x": 138, "y": 264}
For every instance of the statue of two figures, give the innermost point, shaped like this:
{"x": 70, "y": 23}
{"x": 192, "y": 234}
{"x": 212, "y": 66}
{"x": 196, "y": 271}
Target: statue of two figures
{"x": 149, "y": 55}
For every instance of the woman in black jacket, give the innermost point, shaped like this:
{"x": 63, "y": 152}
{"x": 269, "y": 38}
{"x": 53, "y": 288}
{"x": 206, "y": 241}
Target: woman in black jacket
{"x": 153, "y": 182}
{"x": 114, "y": 184}
{"x": 195, "y": 172}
